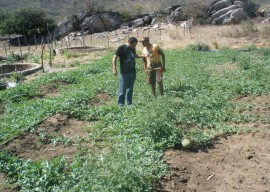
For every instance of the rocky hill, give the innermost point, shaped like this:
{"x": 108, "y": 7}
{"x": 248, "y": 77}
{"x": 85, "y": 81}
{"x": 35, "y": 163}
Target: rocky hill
{"x": 61, "y": 8}
{"x": 215, "y": 12}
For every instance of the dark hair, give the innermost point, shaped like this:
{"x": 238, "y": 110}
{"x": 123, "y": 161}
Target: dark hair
{"x": 132, "y": 40}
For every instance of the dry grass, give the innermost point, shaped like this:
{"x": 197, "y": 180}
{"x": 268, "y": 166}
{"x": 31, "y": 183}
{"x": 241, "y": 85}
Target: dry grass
{"x": 171, "y": 37}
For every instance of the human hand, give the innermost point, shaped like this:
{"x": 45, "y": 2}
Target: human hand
{"x": 164, "y": 69}
{"x": 115, "y": 73}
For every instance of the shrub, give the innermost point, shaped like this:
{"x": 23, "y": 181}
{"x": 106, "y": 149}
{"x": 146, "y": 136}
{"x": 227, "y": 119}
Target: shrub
{"x": 126, "y": 15}
{"x": 199, "y": 47}
{"x": 3, "y": 84}
{"x": 25, "y": 21}
{"x": 17, "y": 76}
{"x": 249, "y": 28}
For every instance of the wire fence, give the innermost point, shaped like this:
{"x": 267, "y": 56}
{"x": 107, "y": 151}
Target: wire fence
{"x": 77, "y": 42}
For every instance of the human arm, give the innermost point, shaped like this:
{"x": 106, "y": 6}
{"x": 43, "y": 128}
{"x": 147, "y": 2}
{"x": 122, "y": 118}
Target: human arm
{"x": 140, "y": 56}
{"x": 163, "y": 60}
{"x": 114, "y": 60}
{"x": 145, "y": 65}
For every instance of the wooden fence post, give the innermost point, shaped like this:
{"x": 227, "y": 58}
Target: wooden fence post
{"x": 35, "y": 41}
{"x": 5, "y": 48}
{"x": 67, "y": 44}
{"x": 108, "y": 39}
{"x": 91, "y": 39}
{"x": 50, "y": 55}
{"x": 19, "y": 45}
{"x": 42, "y": 57}
{"x": 42, "y": 41}
{"x": 48, "y": 42}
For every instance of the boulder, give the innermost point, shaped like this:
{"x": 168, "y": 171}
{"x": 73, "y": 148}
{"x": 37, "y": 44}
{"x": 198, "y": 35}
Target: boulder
{"x": 156, "y": 26}
{"x": 111, "y": 20}
{"x": 231, "y": 11}
{"x": 81, "y": 16}
{"x": 217, "y": 5}
{"x": 224, "y": 11}
{"x": 176, "y": 7}
{"x": 137, "y": 23}
{"x": 154, "y": 21}
{"x": 94, "y": 24}
{"x": 177, "y": 15}
{"x": 266, "y": 21}
{"x": 236, "y": 16}
{"x": 65, "y": 27}
{"x": 267, "y": 13}
{"x": 168, "y": 10}
{"x": 18, "y": 40}
{"x": 153, "y": 14}
{"x": 147, "y": 20}
{"x": 220, "y": 19}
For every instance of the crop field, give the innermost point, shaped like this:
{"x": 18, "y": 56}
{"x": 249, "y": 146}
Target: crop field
{"x": 64, "y": 132}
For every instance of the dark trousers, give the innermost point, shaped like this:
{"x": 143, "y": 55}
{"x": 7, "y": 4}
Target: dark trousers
{"x": 126, "y": 88}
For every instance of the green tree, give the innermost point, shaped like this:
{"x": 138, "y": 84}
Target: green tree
{"x": 25, "y": 21}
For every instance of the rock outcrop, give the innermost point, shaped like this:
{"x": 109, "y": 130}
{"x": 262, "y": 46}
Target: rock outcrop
{"x": 96, "y": 23}
{"x": 231, "y": 11}
{"x": 175, "y": 14}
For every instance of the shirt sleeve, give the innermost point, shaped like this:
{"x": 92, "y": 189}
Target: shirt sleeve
{"x": 119, "y": 51}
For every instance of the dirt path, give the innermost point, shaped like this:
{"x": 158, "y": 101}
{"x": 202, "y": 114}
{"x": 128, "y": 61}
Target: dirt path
{"x": 237, "y": 163}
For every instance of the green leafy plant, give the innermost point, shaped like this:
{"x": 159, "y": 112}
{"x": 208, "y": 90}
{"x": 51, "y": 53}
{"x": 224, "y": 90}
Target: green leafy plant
{"x": 17, "y": 76}
{"x": 3, "y": 84}
{"x": 199, "y": 47}
{"x": 25, "y": 21}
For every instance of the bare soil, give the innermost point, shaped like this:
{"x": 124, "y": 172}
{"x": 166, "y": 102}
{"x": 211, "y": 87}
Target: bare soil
{"x": 52, "y": 89}
{"x": 101, "y": 99}
{"x": 259, "y": 107}
{"x": 234, "y": 163}
{"x": 39, "y": 145}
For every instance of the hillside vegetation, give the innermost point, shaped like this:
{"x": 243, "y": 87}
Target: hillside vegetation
{"x": 60, "y": 8}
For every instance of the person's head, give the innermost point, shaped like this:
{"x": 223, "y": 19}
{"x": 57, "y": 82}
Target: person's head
{"x": 132, "y": 42}
{"x": 145, "y": 41}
